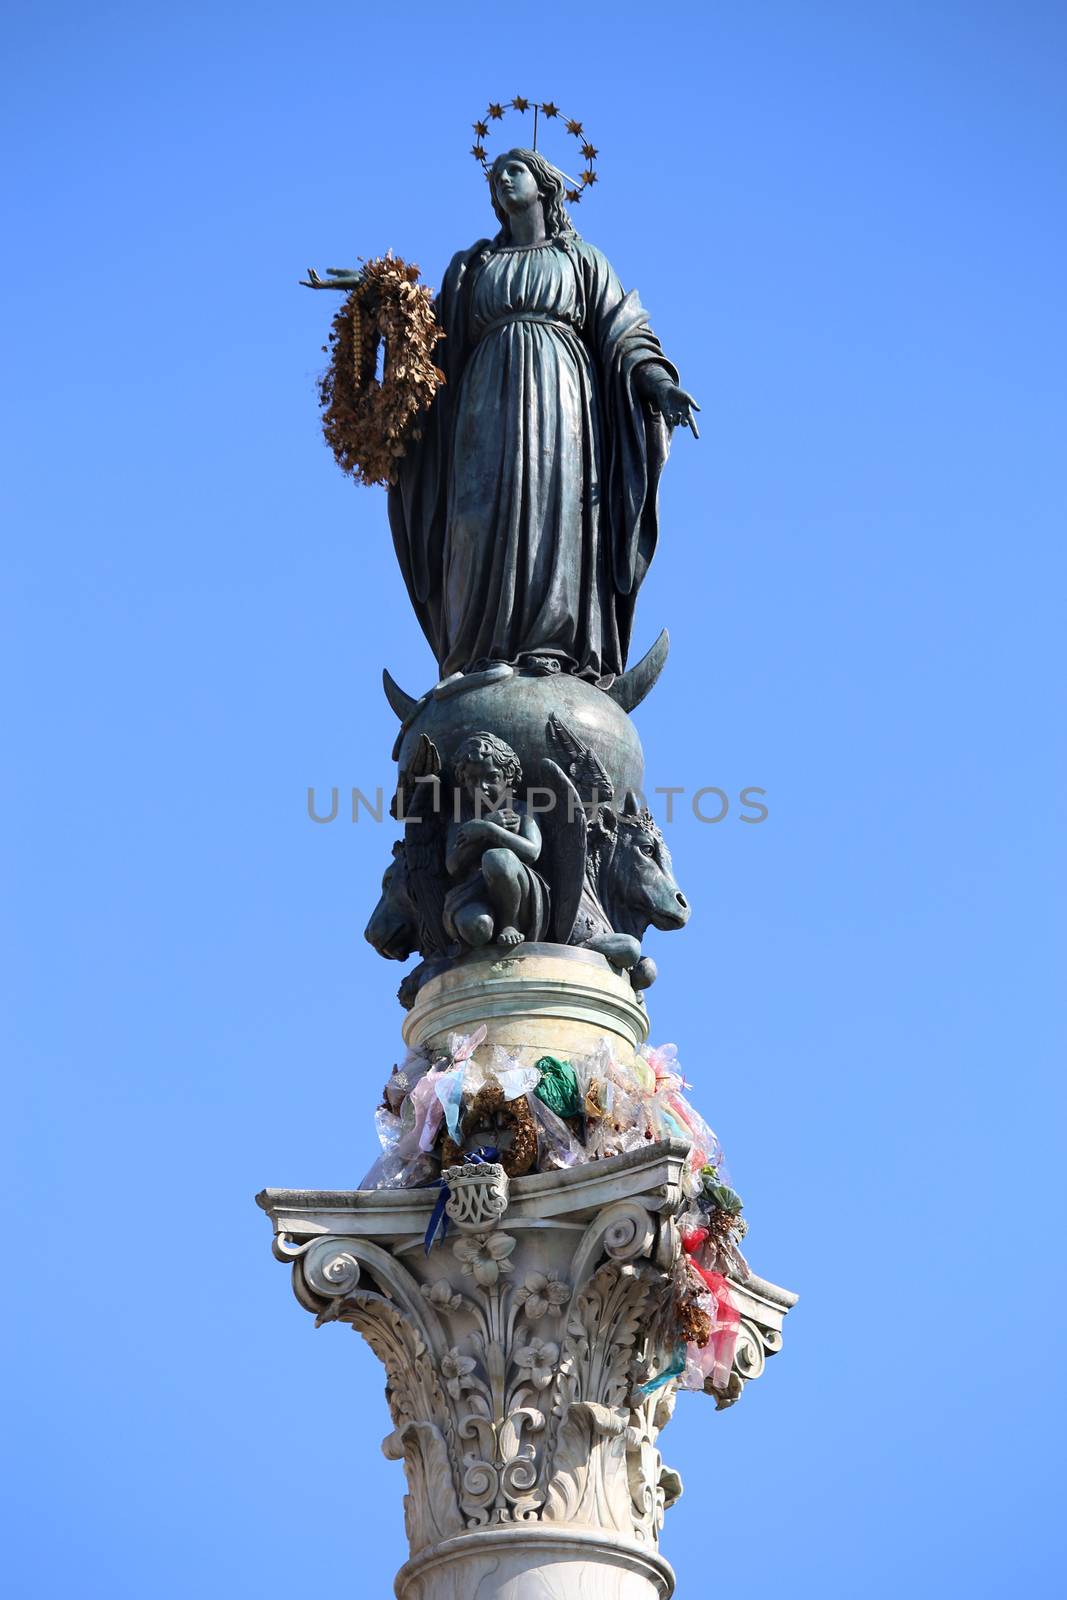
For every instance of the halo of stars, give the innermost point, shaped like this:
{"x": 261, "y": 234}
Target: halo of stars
{"x": 548, "y": 109}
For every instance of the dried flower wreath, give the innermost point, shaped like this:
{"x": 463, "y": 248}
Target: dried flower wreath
{"x": 366, "y": 421}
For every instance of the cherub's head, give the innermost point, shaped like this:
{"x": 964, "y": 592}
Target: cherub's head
{"x": 486, "y": 768}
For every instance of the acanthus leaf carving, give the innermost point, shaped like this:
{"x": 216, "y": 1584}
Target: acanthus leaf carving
{"x": 431, "y": 1509}
{"x": 515, "y": 1380}
{"x": 589, "y": 1478}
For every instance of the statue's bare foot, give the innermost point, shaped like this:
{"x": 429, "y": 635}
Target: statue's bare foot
{"x": 509, "y": 937}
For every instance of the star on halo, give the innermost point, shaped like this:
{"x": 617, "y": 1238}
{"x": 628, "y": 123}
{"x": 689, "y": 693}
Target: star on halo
{"x": 548, "y": 108}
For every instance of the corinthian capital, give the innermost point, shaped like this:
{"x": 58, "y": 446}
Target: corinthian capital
{"x": 521, "y": 1353}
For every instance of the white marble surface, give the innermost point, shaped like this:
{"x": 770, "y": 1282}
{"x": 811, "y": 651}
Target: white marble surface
{"x": 515, "y": 1352}
{"x": 535, "y": 1000}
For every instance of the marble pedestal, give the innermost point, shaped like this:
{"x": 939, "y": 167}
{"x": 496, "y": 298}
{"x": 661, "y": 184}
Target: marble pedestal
{"x": 538, "y": 999}
{"x": 514, "y": 1353}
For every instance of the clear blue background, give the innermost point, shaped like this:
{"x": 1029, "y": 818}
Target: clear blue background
{"x": 848, "y": 223}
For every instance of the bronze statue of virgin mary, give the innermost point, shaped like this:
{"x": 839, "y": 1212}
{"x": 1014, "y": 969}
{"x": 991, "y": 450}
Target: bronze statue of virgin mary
{"x": 525, "y": 515}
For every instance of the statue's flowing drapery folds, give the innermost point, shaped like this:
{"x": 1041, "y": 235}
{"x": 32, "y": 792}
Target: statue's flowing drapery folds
{"x": 525, "y": 516}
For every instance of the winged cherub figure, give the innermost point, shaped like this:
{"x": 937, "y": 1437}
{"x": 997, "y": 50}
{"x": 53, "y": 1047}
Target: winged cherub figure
{"x": 492, "y": 845}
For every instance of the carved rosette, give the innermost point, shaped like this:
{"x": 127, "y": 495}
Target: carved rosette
{"x": 516, "y": 1349}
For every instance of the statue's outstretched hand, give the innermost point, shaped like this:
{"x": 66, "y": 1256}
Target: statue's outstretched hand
{"x": 676, "y": 407}
{"x": 341, "y": 278}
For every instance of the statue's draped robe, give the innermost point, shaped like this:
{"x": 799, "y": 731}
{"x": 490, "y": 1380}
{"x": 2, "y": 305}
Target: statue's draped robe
{"x": 525, "y": 516}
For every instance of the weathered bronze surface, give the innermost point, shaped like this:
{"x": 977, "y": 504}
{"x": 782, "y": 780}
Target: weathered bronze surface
{"x": 524, "y": 518}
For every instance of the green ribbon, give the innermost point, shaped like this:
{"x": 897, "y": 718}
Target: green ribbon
{"x": 558, "y": 1087}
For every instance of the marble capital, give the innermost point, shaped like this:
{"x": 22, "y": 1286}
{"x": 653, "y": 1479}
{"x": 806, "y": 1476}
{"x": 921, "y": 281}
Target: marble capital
{"x": 515, "y": 1352}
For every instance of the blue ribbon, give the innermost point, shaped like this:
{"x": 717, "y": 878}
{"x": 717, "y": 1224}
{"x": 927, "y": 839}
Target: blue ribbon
{"x": 438, "y": 1218}
{"x": 438, "y": 1225}
{"x": 675, "y": 1370}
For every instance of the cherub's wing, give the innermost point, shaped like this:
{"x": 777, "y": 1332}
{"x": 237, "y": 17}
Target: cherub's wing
{"x": 584, "y": 768}
{"x": 430, "y": 910}
{"x": 418, "y": 792}
{"x": 563, "y": 830}
{"x": 424, "y": 846}
{"x": 565, "y": 738}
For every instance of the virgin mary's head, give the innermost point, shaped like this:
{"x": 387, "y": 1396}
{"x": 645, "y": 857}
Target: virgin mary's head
{"x": 513, "y": 180}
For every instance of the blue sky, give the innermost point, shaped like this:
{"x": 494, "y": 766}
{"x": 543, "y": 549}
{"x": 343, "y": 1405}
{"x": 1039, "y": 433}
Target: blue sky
{"x": 848, "y": 224}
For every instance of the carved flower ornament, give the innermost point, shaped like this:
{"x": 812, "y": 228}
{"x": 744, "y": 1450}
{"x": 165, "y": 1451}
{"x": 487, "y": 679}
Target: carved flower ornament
{"x": 485, "y": 1256}
{"x": 538, "y": 1358}
{"x": 456, "y": 1370}
{"x": 441, "y": 1295}
{"x": 541, "y": 1293}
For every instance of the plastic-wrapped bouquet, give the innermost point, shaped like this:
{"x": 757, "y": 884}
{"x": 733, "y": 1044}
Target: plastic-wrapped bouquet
{"x": 482, "y": 1104}
{"x": 542, "y": 1117}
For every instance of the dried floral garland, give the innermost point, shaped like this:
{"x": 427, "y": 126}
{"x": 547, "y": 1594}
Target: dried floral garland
{"x": 366, "y": 423}
{"x": 487, "y": 1112}
{"x": 692, "y": 1320}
